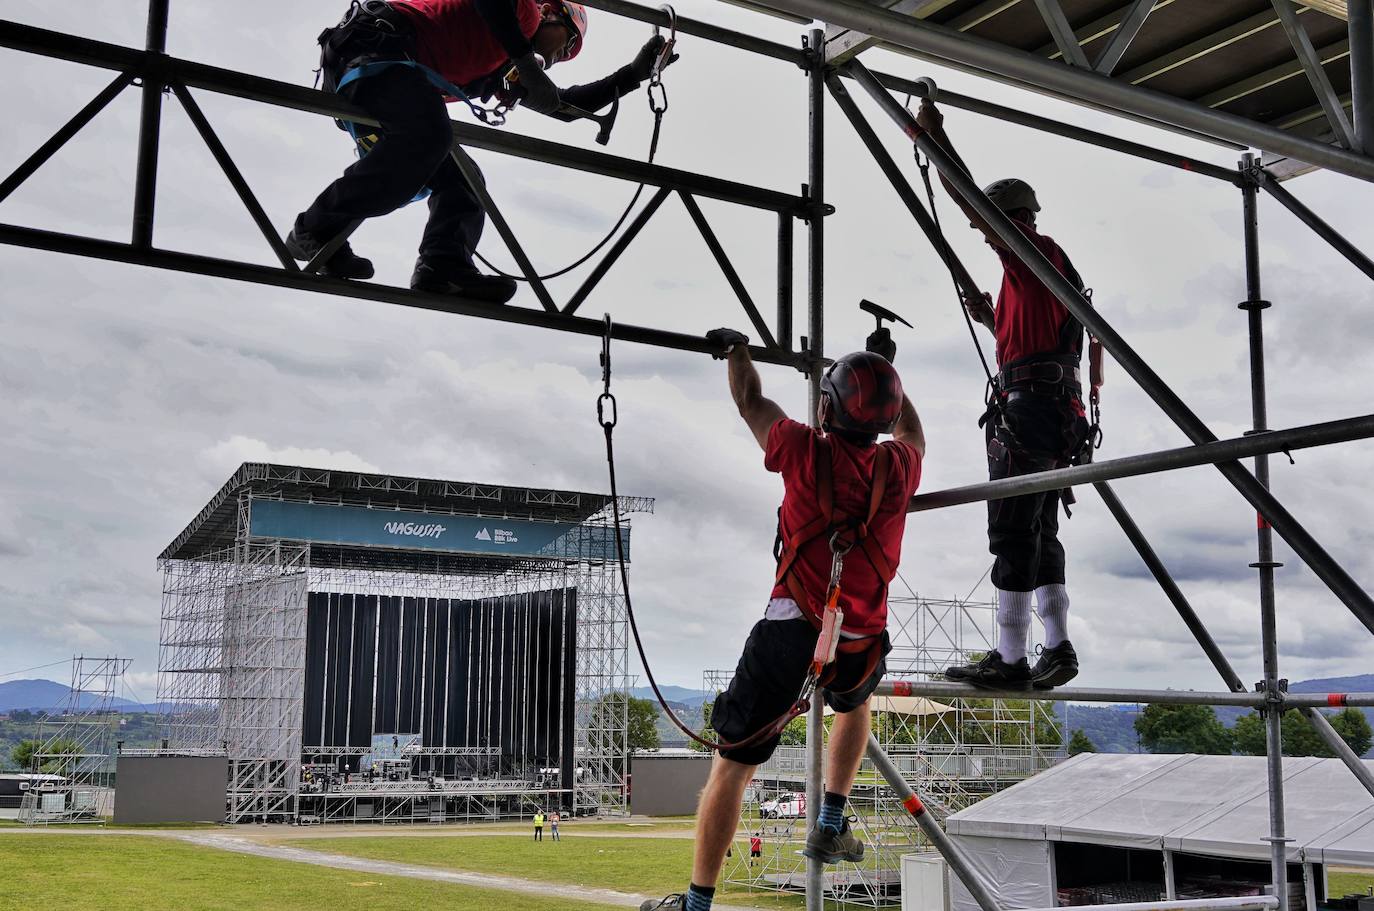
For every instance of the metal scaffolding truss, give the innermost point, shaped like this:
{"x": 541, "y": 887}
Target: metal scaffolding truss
{"x": 76, "y": 749}
{"x": 1107, "y": 80}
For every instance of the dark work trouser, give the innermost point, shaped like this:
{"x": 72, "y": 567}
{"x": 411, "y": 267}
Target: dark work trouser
{"x": 411, "y": 153}
{"x": 1023, "y": 532}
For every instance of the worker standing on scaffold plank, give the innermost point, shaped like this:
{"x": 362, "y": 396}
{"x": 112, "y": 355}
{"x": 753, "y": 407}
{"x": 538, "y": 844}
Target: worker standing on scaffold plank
{"x": 840, "y": 488}
{"x": 401, "y": 61}
{"x": 1035, "y": 421}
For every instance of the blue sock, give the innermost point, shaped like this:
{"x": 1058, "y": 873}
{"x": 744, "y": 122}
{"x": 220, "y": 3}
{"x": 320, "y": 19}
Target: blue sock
{"x": 832, "y": 812}
{"x": 699, "y": 898}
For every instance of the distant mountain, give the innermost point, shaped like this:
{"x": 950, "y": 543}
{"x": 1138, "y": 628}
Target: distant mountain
{"x": 48, "y": 695}
{"x": 675, "y": 694}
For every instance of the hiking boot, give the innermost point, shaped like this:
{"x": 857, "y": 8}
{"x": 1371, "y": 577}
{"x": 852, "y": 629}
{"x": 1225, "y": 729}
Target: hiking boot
{"x": 993, "y": 673}
{"x": 676, "y": 902}
{"x": 1056, "y": 666}
{"x": 462, "y": 280}
{"x": 344, "y": 263}
{"x": 830, "y": 847}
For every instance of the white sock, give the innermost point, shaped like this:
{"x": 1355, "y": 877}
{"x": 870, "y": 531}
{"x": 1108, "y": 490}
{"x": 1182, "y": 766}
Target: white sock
{"x": 1013, "y": 624}
{"x": 1052, "y": 604}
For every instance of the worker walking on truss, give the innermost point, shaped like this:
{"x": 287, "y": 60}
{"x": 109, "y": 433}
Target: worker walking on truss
{"x": 843, "y": 492}
{"x": 401, "y": 61}
{"x": 1035, "y": 421}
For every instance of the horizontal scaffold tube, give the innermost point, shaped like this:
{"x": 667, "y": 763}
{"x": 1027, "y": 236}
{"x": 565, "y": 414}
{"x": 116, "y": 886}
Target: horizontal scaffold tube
{"x": 938, "y": 689}
{"x": 1324, "y": 434}
{"x": 171, "y": 70}
{"x": 36, "y": 239}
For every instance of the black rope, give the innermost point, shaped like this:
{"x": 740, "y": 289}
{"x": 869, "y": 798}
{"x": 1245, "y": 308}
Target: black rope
{"x": 658, "y": 108}
{"x": 607, "y": 415}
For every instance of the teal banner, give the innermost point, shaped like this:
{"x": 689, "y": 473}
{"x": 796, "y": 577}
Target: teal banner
{"x": 358, "y": 526}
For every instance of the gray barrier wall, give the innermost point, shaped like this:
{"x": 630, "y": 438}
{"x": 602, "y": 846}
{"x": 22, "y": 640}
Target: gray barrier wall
{"x": 667, "y": 785}
{"x": 170, "y": 789}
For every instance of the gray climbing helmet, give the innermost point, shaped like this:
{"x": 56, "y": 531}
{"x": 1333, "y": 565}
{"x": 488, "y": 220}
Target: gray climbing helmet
{"x": 1012, "y": 193}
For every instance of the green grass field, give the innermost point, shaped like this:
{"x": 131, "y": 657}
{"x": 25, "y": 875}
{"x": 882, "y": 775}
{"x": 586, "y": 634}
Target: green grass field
{"x": 139, "y": 873}
{"x": 650, "y": 865}
{"x": 1340, "y": 884}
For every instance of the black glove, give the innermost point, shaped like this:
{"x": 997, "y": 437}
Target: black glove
{"x": 726, "y": 339}
{"x": 643, "y": 64}
{"x": 880, "y": 342}
{"x": 540, "y": 94}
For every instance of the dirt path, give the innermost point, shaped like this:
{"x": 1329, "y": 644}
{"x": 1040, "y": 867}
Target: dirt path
{"x": 257, "y": 847}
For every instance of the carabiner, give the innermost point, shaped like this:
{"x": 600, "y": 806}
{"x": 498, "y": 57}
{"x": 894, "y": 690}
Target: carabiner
{"x": 656, "y": 72}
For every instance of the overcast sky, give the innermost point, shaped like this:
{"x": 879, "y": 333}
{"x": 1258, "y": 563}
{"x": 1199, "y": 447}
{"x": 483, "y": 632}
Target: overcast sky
{"x": 129, "y": 395}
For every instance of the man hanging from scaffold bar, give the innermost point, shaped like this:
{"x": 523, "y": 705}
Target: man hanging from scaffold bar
{"x": 408, "y": 57}
{"x": 1035, "y": 421}
{"x": 838, "y": 482}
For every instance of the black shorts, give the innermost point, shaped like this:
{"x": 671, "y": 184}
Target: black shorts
{"x": 769, "y": 676}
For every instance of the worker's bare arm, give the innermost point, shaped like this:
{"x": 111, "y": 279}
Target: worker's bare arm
{"x": 908, "y": 429}
{"x": 746, "y": 388}
{"x": 933, "y": 122}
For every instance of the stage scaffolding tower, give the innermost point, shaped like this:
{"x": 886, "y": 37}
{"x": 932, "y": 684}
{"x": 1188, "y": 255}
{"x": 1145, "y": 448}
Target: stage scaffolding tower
{"x": 1322, "y": 120}
{"x": 232, "y": 661}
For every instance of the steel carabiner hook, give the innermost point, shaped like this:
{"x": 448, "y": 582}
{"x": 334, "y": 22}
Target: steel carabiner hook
{"x": 656, "y": 73}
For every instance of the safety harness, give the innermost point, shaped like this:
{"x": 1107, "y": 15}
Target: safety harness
{"x": 844, "y": 533}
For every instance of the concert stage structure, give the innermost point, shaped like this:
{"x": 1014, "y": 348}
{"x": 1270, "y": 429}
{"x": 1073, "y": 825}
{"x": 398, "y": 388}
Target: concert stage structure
{"x": 367, "y": 647}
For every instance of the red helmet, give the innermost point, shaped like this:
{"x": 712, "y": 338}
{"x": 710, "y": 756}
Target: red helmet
{"x": 575, "y": 15}
{"x": 865, "y": 393}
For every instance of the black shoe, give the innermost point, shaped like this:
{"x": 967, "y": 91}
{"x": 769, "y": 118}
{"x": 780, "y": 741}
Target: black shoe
{"x": 1056, "y": 666}
{"x": 830, "y": 847}
{"x": 675, "y": 902}
{"x": 344, "y": 263}
{"x": 461, "y": 281}
{"x": 993, "y": 673}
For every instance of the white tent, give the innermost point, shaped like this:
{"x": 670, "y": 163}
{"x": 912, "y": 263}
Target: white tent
{"x": 1215, "y": 806}
{"x": 905, "y": 705}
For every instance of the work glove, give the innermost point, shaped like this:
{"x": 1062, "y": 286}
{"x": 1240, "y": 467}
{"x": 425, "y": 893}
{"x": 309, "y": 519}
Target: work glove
{"x": 643, "y": 64}
{"x": 880, "y": 343}
{"x": 540, "y": 94}
{"x": 725, "y": 340}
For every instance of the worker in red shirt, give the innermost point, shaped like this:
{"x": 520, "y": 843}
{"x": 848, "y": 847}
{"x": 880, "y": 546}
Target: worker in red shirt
{"x": 1035, "y": 422}
{"x": 405, "y": 51}
{"x": 865, "y": 485}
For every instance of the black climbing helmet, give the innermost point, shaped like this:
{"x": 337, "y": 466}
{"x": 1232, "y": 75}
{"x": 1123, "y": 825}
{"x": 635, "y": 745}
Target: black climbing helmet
{"x": 865, "y": 394}
{"x": 1011, "y": 193}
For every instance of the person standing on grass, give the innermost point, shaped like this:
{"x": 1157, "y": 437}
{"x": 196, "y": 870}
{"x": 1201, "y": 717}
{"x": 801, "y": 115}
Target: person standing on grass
{"x": 838, "y": 478}
{"x": 553, "y": 824}
{"x": 539, "y": 825}
{"x": 755, "y": 848}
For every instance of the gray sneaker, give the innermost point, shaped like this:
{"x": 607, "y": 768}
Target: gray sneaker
{"x": 832, "y": 847}
{"x": 676, "y": 902}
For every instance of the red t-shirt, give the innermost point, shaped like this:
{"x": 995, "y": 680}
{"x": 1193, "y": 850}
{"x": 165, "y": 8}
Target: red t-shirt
{"x": 1029, "y": 316}
{"x": 863, "y": 593}
{"x": 453, "y": 39}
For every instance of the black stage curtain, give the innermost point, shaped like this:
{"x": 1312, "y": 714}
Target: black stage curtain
{"x": 495, "y": 673}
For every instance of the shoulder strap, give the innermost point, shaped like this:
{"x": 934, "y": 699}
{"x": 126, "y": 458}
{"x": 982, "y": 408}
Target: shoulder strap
{"x": 881, "y": 463}
{"x": 825, "y": 477}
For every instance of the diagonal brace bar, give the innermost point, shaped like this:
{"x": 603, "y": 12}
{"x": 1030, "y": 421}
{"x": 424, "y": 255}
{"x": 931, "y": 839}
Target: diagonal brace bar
{"x": 727, "y": 267}
{"x": 1121, "y": 39}
{"x": 479, "y": 187}
{"x": 619, "y": 247}
{"x": 1327, "y": 233}
{"x": 1312, "y": 65}
{"x": 50, "y": 148}
{"x": 1062, "y": 33}
{"x": 953, "y": 854}
{"x": 1299, "y": 539}
{"x": 236, "y": 179}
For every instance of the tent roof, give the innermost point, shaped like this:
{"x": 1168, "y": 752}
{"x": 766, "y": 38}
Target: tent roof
{"x": 1200, "y": 804}
{"x": 905, "y": 705}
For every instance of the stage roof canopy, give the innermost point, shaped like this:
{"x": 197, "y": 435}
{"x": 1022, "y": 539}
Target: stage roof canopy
{"x": 423, "y": 502}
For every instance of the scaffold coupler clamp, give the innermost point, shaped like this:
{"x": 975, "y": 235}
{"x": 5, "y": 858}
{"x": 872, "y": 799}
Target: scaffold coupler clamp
{"x": 1274, "y": 696}
{"x": 606, "y": 412}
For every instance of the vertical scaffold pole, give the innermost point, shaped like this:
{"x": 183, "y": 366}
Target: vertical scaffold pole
{"x": 149, "y": 126}
{"x": 815, "y": 327}
{"x": 1360, "y": 21}
{"x": 1255, "y": 305}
